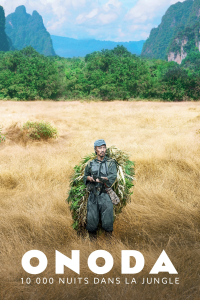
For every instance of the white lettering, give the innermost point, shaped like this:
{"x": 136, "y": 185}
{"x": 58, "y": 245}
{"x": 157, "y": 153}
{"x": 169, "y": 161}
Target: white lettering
{"x": 125, "y": 262}
{"x": 71, "y": 263}
{"x": 108, "y": 262}
{"x": 42, "y": 262}
{"x": 168, "y": 266}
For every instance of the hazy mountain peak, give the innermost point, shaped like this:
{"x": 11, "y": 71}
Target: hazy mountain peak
{"x": 36, "y": 14}
{"x": 20, "y": 9}
{"x": 25, "y": 30}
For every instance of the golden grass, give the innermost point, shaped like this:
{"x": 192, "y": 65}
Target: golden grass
{"x": 164, "y": 212}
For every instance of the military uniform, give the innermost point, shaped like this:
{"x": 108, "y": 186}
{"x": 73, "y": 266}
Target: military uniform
{"x": 99, "y": 203}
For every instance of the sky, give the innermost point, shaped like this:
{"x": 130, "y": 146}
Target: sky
{"x": 106, "y": 20}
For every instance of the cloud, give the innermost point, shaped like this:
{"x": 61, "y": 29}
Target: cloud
{"x": 107, "y": 18}
{"x": 10, "y": 5}
{"x": 112, "y": 4}
{"x": 117, "y": 20}
{"x": 101, "y": 15}
{"x": 121, "y": 33}
{"x": 141, "y": 27}
{"x": 92, "y": 14}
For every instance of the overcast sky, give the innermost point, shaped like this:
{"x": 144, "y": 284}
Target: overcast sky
{"x": 115, "y": 20}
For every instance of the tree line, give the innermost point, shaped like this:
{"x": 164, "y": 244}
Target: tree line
{"x": 107, "y": 74}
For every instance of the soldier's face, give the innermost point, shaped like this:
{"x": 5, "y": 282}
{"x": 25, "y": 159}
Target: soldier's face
{"x": 101, "y": 150}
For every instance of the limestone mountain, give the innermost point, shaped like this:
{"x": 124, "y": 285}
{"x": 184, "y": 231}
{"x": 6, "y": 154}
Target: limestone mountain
{"x": 5, "y": 42}
{"x": 28, "y": 30}
{"x": 174, "y": 42}
{"x": 187, "y": 40}
{"x": 176, "y": 18}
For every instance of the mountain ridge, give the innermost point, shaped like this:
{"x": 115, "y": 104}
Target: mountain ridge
{"x": 173, "y": 21}
{"x": 69, "y": 47}
{"x": 28, "y": 30}
{"x": 5, "y": 41}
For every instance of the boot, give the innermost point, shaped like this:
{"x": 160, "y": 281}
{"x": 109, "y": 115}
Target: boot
{"x": 92, "y": 235}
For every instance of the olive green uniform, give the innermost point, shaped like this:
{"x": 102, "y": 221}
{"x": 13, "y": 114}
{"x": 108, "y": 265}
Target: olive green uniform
{"x": 99, "y": 203}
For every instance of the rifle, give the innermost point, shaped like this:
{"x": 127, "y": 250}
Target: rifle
{"x": 95, "y": 177}
{"x": 113, "y": 196}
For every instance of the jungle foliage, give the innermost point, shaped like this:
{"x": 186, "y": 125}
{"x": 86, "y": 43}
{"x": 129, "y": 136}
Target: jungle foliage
{"x": 118, "y": 74}
{"x": 26, "y": 74}
{"x": 106, "y": 75}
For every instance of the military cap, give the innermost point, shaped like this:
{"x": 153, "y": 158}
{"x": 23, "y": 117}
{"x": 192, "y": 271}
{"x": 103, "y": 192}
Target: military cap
{"x": 99, "y": 143}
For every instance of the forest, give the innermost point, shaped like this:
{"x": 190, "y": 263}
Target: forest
{"x": 104, "y": 75}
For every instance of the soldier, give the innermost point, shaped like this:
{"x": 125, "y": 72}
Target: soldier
{"x": 99, "y": 203}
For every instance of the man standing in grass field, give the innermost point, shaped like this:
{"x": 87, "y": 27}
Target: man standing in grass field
{"x": 100, "y": 206}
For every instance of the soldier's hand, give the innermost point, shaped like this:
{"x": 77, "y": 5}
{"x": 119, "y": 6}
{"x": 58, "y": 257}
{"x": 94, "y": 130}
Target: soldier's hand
{"x": 105, "y": 178}
{"x": 90, "y": 178}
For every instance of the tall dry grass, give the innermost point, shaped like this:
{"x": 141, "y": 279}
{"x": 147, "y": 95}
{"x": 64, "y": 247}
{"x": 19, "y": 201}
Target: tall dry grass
{"x": 164, "y": 212}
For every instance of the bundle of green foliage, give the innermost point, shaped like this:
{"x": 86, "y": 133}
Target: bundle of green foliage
{"x": 26, "y": 74}
{"x": 78, "y": 194}
{"x": 39, "y": 130}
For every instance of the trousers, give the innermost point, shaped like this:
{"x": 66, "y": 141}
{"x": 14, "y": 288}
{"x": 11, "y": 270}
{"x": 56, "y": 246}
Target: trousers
{"x": 99, "y": 206}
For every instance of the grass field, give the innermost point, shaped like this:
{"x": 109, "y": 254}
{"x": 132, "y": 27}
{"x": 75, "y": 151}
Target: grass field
{"x": 164, "y": 212}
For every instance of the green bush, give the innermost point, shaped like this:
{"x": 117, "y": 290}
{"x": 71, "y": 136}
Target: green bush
{"x": 40, "y": 130}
